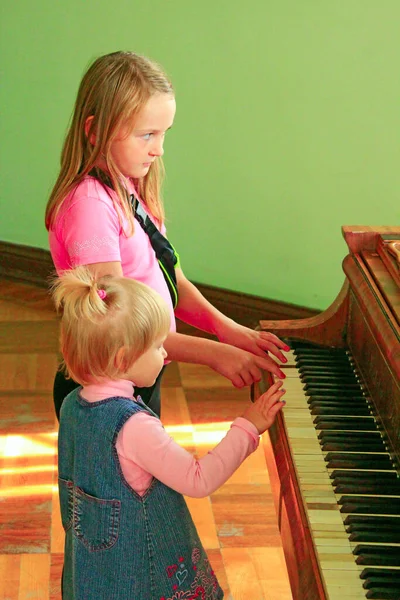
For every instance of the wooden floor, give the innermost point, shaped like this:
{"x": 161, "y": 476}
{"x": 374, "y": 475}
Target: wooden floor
{"x": 237, "y": 524}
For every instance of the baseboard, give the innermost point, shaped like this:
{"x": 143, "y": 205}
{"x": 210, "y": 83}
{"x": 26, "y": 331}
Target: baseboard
{"x": 25, "y": 264}
{"x": 34, "y": 266}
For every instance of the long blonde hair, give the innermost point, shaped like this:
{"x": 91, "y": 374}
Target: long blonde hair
{"x": 126, "y": 315}
{"x": 113, "y": 91}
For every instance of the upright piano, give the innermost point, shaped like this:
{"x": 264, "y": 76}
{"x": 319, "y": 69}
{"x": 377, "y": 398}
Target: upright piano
{"x": 333, "y": 452}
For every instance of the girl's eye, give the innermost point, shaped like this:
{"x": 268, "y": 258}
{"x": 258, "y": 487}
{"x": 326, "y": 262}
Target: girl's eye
{"x": 147, "y": 136}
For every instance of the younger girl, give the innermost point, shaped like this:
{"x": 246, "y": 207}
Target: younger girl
{"x": 129, "y": 534}
{"x": 112, "y": 153}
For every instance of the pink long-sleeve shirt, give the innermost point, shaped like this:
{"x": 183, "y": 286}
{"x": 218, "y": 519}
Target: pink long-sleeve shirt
{"x": 146, "y": 450}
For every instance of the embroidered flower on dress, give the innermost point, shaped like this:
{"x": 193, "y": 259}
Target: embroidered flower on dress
{"x": 195, "y": 555}
{"x": 198, "y": 593}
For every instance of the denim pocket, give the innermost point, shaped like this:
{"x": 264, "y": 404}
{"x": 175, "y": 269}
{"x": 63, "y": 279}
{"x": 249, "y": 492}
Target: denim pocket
{"x": 96, "y": 521}
{"x": 65, "y": 490}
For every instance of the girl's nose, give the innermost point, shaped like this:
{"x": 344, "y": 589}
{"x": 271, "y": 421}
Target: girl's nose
{"x": 158, "y": 147}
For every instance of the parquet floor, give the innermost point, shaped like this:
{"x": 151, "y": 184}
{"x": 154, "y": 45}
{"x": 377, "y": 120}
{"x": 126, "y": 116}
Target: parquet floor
{"x": 237, "y": 523}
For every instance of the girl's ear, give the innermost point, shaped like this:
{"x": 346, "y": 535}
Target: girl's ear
{"x": 88, "y": 124}
{"x": 120, "y": 360}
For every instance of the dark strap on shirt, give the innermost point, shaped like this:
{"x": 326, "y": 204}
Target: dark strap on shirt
{"x": 165, "y": 252}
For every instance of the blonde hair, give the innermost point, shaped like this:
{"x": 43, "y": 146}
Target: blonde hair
{"x": 113, "y": 91}
{"x": 127, "y": 315}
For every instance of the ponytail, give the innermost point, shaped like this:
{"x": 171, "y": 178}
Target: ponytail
{"x": 102, "y": 317}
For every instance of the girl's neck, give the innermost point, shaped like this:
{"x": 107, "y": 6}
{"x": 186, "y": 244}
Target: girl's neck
{"x": 108, "y": 388}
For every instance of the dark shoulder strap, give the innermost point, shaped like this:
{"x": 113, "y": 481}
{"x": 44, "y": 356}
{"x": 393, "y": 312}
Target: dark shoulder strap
{"x": 166, "y": 255}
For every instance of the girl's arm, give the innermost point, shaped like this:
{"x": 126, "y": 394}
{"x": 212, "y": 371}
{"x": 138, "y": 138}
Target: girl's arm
{"x": 240, "y": 366}
{"x": 194, "y": 309}
{"x": 144, "y": 442}
{"x": 239, "y": 358}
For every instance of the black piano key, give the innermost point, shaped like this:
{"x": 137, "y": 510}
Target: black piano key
{"x": 369, "y": 505}
{"x": 373, "y": 475}
{"x": 371, "y": 501}
{"x": 377, "y": 521}
{"x": 329, "y": 380}
{"x": 386, "y": 537}
{"x": 327, "y": 370}
{"x": 358, "y": 422}
{"x": 380, "y": 457}
{"x": 367, "y": 488}
{"x": 357, "y": 460}
{"x": 380, "y": 580}
{"x": 345, "y": 423}
{"x": 392, "y": 574}
{"x": 367, "y": 464}
{"x": 334, "y": 400}
{"x": 328, "y": 397}
{"x": 323, "y": 395}
{"x": 322, "y": 358}
{"x": 321, "y": 409}
{"x": 373, "y": 528}
{"x": 330, "y": 361}
{"x": 352, "y": 446}
{"x": 332, "y": 387}
{"x": 378, "y": 487}
{"x": 330, "y": 357}
{"x": 359, "y": 435}
{"x": 319, "y": 349}
{"x": 307, "y": 349}
{"x": 385, "y": 556}
{"x": 376, "y": 482}
{"x": 381, "y": 593}
{"x": 321, "y": 362}
{"x": 338, "y": 403}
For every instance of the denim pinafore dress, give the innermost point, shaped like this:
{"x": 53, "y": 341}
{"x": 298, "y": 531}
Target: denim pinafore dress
{"x": 119, "y": 545}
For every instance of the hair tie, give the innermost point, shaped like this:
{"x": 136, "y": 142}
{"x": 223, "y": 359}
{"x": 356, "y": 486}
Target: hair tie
{"x": 102, "y": 294}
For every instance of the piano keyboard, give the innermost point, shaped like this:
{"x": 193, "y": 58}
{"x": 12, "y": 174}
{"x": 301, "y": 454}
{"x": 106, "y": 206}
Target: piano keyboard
{"x": 349, "y": 484}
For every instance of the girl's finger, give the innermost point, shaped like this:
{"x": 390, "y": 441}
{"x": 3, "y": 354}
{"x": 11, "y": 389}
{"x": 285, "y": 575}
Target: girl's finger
{"x": 268, "y": 346}
{"x": 255, "y": 374}
{"x": 268, "y": 364}
{"x": 263, "y": 399}
{"x": 237, "y": 381}
{"x": 276, "y": 408}
{"x": 246, "y": 376}
{"x": 274, "y": 387}
{"x": 275, "y": 340}
{"x": 275, "y": 398}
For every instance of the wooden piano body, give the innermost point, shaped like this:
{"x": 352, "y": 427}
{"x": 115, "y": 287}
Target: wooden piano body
{"x": 365, "y": 318}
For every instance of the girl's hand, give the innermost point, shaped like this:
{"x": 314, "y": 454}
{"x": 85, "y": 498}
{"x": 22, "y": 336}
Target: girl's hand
{"x": 241, "y": 367}
{"x": 264, "y": 410}
{"x": 257, "y": 342}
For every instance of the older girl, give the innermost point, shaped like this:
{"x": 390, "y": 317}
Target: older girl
{"x": 113, "y": 155}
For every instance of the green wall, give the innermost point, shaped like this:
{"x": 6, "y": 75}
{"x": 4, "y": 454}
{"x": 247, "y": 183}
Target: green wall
{"x": 287, "y": 126}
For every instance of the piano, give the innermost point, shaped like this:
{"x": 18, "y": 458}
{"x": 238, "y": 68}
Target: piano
{"x": 333, "y": 452}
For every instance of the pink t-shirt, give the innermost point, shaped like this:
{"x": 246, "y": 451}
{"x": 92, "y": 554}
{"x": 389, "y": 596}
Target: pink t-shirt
{"x": 145, "y": 450}
{"x": 87, "y": 231}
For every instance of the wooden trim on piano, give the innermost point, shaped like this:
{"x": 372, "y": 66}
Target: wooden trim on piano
{"x": 306, "y": 582}
{"x": 325, "y": 328}
{"x": 374, "y": 340}
{"x": 34, "y": 265}
{"x": 366, "y": 237}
